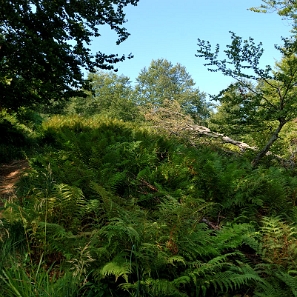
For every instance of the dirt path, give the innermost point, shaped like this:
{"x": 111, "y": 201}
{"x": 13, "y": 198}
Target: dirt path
{"x": 9, "y": 175}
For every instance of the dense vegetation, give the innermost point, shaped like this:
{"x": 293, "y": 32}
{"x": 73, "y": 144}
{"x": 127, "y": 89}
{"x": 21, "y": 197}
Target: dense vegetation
{"x": 110, "y": 209}
{"x": 44, "y": 47}
{"x": 150, "y": 190}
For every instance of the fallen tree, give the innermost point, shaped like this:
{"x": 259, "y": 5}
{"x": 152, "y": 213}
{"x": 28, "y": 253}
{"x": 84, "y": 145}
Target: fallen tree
{"x": 170, "y": 118}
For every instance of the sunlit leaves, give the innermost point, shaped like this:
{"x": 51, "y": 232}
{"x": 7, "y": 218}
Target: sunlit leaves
{"x": 44, "y": 46}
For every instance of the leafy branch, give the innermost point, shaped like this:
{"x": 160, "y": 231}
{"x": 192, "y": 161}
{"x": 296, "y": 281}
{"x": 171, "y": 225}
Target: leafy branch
{"x": 264, "y": 94}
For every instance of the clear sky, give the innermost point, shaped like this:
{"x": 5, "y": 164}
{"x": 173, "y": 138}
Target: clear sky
{"x": 169, "y": 29}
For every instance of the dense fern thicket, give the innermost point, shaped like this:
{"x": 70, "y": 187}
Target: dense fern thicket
{"x": 112, "y": 209}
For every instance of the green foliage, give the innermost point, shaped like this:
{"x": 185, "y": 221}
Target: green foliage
{"x": 285, "y": 9}
{"x": 278, "y": 252}
{"x": 51, "y": 67}
{"x": 163, "y": 81}
{"x": 236, "y": 116}
{"x": 279, "y": 243}
{"x": 110, "y": 95}
{"x": 16, "y": 281}
{"x": 18, "y": 133}
{"x": 260, "y": 99}
{"x": 110, "y": 208}
{"x": 122, "y": 210}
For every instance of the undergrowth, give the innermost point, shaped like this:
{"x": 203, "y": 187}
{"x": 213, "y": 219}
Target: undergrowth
{"x": 112, "y": 209}
{"x": 19, "y": 133}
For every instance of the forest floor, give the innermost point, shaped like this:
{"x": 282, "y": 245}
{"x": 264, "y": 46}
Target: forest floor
{"x": 9, "y": 175}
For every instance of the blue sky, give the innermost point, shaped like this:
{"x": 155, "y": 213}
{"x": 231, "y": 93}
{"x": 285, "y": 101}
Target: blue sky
{"x": 169, "y": 29}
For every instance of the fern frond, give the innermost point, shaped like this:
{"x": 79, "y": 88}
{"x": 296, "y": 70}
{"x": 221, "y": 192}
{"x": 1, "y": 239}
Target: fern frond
{"x": 234, "y": 277}
{"x": 176, "y": 259}
{"x": 121, "y": 230}
{"x": 119, "y": 267}
{"x": 289, "y": 280}
{"x": 157, "y": 287}
{"x": 279, "y": 242}
{"x": 108, "y": 201}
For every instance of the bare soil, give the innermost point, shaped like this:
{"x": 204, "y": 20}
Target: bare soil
{"x": 9, "y": 175}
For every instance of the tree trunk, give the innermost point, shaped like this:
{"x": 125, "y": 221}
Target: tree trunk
{"x": 272, "y": 139}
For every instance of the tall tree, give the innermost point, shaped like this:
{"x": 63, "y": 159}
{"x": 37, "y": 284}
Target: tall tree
{"x": 44, "y": 46}
{"x": 164, "y": 81}
{"x": 230, "y": 118}
{"x": 266, "y": 95}
{"x": 110, "y": 94}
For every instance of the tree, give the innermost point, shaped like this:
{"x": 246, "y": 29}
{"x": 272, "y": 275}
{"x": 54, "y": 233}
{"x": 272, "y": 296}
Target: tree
{"x": 241, "y": 121}
{"x": 164, "y": 81}
{"x": 44, "y": 46}
{"x": 285, "y": 8}
{"x": 266, "y": 95}
{"x": 171, "y": 119}
{"x": 229, "y": 117}
{"x": 110, "y": 94}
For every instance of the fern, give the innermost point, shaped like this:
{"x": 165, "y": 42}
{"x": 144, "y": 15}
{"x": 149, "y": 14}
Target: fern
{"x": 118, "y": 267}
{"x": 66, "y": 205}
{"x": 289, "y": 280}
{"x": 125, "y": 208}
{"x": 279, "y": 242}
{"x": 120, "y": 230}
{"x": 277, "y": 282}
{"x": 222, "y": 276}
{"x": 176, "y": 259}
{"x": 156, "y": 287}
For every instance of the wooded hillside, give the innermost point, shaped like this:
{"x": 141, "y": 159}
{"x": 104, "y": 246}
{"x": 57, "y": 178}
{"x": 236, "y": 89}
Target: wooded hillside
{"x": 145, "y": 189}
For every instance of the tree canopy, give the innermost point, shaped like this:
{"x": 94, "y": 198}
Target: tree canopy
{"x": 164, "y": 81}
{"x": 285, "y": 8}
{"x": 44, "y": 46}
{"x": 265, "y": 95}
{"x": 110, "y": 94}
